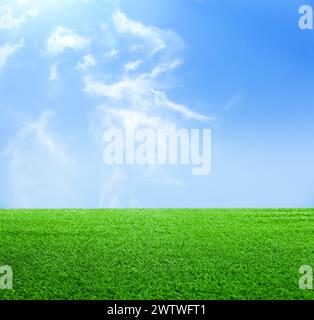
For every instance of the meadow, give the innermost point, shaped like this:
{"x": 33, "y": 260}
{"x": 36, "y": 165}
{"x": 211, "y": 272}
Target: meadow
{"x": 156, "y": 254}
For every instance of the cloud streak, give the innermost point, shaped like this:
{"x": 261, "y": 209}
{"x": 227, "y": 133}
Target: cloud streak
{"x": 9, "y": 50}
{"x": 39, "y": 166}
{"x": 38, "y": 130}
{"x": 151, "y": 35}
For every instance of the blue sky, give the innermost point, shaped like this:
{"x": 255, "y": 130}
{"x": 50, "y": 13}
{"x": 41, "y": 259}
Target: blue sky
{"x": 243, "y": 67}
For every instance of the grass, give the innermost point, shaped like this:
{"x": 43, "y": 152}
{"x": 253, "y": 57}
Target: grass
{"x": 156, "y": 254}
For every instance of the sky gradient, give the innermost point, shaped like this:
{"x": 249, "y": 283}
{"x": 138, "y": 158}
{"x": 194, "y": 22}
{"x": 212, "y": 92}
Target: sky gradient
{"x": 71, "y": 69}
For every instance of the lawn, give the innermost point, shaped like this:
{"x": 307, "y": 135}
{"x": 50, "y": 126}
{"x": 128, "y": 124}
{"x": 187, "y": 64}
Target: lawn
{"x": 156, "y": 254}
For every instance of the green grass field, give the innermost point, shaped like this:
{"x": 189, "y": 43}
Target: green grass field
{"x": 156, "y": 254}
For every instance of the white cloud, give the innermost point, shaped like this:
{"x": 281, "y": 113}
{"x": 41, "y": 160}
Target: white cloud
{"x": 8, "y": 50}
{"x": 126, "y": 88}
{"x": 88, "y": 62}
{"x": 63, "y": 38}
{"x": 53, "y": 72}
{"x": 133, "y": 65}
{"x": 162, "y": 101}
{"x": 114, "y": 53}
{"x": 166, "y": 67}
{"x": 139, "y": 93}
{"x": 156, "y": 39}
{"x": 8, "y": 21}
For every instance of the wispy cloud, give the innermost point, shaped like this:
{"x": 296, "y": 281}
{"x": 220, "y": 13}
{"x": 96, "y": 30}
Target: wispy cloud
{"x": 139, "y": 93}
{"x": 39, "y": 165}
{"x": 132, "y": 65}
{"x": 9, "y": 21}
{"x": 63, "y": 38}
{"x": 150, "y": 34}
{"x": 155, "y": 39}
{"x": 38, "y": 130}
{"x": 53, "y": 76}
{"x": 87, "y": 62}
{"x": 165, "y": 67}
{"x": 8, "y": 50}
{"x": 233, "y": 102}
{"x": 114, "y": 53}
